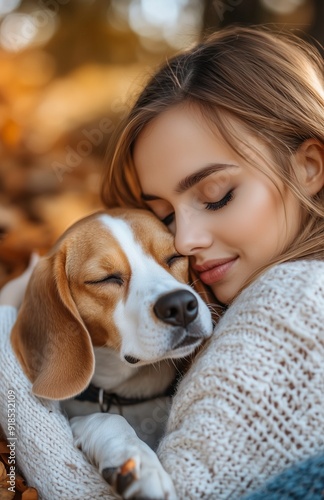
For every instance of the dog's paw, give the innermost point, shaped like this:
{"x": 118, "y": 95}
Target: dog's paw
{"x": 137, "y": 479}
{"x": 128, "y": 464}
{"x": 120, "y": 478}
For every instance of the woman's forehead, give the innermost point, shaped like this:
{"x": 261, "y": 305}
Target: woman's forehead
{"x": 173, "y": 136}
{"x": 180, "y": 142}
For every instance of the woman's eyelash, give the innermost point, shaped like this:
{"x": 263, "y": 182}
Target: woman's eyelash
{"x": 216, "y": 205}
{"x": 168, "y": 219}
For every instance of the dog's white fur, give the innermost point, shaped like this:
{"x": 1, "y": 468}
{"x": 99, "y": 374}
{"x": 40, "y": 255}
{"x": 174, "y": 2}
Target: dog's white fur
{"x": 89, "y": 315}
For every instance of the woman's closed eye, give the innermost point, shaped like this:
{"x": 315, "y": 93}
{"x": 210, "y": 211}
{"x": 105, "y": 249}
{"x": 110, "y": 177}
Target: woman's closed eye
{"x": 168, "y": 219}
{"x": 215, "y": 205}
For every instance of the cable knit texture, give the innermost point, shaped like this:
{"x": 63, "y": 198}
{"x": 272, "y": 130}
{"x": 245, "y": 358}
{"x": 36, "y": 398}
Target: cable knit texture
{"x": 253, "y": 403}
{"x": 44, "y": 445}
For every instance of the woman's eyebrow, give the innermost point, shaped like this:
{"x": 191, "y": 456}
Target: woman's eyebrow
{"x": 193, "y": 179}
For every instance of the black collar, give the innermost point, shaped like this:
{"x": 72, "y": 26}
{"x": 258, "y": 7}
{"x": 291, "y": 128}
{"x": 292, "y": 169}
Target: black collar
{"x": 106, "y": 399}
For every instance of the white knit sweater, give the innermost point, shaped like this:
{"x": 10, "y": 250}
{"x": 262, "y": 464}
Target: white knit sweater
{"x": 44, "y": 445}
{"x": 252, "y": 403}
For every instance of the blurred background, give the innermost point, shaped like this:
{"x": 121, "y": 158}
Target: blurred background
{"x": 69, "y": 69}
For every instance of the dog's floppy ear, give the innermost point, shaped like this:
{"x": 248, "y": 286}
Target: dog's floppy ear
{"x": 49, "y": 337}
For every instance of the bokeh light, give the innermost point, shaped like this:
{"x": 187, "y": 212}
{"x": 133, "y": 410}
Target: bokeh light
{"x": 19, "y": 31}
{"x": 7, "y": 6}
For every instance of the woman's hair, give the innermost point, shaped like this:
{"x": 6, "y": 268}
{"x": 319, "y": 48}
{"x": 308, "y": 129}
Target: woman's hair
{"x": 271, "y": 83}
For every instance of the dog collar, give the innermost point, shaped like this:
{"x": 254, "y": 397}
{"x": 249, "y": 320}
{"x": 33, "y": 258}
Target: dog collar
{"x": 106, "y": 399}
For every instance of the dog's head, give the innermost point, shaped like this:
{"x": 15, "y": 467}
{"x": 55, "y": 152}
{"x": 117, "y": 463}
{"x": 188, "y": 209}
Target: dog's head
{"x": 114, "y": 279}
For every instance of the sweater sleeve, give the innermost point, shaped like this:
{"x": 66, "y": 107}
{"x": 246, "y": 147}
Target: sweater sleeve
{"x": 252, "y": 403}
{"x": 41, "y": 442}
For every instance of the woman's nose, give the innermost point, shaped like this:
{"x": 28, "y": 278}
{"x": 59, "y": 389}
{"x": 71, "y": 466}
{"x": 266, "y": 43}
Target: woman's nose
{"x": 191, "y": 235}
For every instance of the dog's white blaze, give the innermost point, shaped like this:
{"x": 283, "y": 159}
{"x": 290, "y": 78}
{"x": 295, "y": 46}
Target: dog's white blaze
{"x": 140, "y": 335}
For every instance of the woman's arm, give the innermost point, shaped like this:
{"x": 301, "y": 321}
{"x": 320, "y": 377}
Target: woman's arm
{"x": 253, "y": 403}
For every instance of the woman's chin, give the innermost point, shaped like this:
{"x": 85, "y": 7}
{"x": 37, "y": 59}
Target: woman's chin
{"x": 224, "y": 297}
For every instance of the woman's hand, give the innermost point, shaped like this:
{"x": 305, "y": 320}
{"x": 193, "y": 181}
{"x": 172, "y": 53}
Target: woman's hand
{"x": 13, "y": 292}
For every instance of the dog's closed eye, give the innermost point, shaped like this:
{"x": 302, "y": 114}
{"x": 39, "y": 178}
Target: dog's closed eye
{"x": 110, "y": 278}
{"x": 174, "y": 258}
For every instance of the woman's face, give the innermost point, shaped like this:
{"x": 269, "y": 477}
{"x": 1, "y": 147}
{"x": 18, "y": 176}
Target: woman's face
{"x": 228, "y": 216}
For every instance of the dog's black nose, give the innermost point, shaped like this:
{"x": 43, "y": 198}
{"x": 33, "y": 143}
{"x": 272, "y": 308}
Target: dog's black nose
{"x": 177, "y": 308}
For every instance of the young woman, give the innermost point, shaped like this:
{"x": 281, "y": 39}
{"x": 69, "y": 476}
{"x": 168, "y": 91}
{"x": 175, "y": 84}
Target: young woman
{"x": 226, "y": 146}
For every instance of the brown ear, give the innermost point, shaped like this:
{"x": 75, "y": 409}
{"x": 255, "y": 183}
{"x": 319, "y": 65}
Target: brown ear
{"x": 49, "y": 337}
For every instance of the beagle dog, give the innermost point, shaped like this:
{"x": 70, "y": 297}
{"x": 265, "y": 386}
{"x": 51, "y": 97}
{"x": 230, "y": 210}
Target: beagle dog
{"x": 107, "y": 314}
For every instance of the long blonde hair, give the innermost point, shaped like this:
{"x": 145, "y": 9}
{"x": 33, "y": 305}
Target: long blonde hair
{"x": 271, "y": 83}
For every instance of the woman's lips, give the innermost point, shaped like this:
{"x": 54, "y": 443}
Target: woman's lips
{"x": 214, "y": 271}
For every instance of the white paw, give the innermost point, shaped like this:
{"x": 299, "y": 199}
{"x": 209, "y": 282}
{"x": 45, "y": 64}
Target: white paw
{"x": 128, "y": 464}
